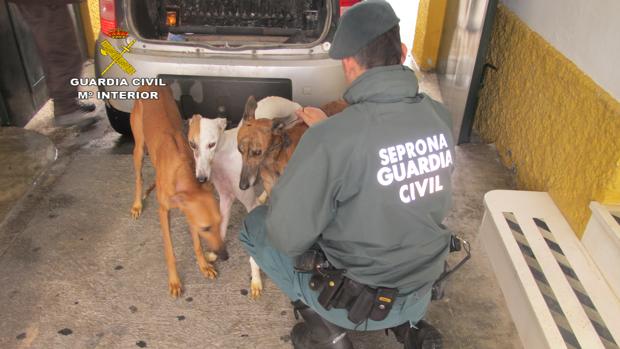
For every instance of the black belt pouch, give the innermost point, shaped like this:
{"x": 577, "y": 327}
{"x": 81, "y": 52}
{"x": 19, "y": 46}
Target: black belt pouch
{"x": 384, "y": 299}
{"x": 348, "y": 293}
{"x": 360, "y": 309}
{"x": 332, "y": 285}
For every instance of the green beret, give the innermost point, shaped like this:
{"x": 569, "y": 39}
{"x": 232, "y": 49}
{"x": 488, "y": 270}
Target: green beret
{"x": 361, "y": 24}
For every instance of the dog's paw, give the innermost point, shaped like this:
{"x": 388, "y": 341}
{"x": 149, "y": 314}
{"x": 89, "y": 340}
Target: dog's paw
{"x": 211, "y": 257}
{"x": 136, "y": 210}
{"x": 208, "y": 271}
{"x": 174, "y": 286}
{"x": 256, "y": 288}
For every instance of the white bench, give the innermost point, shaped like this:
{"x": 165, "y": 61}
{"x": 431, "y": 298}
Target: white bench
{"x": 602, "y": 241}
{"x": 556, "y": 295}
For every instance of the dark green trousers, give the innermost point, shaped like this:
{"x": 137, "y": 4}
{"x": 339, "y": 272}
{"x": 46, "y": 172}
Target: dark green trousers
{"x": 279, "y": 267}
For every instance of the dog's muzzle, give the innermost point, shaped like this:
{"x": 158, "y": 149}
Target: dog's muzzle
{"x": 202, "y": 179}
{"x": 246, "y": 182}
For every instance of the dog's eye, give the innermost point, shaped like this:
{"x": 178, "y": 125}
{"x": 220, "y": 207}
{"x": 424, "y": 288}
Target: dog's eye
{"x": 206, "y": 229}
{"x": 257, "y": 152}
{"x": 192, "y": 145}
{"x": 211, "y": 145}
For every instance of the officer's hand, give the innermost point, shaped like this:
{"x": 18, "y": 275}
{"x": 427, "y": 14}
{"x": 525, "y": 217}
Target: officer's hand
{"x": 311, "y": 115}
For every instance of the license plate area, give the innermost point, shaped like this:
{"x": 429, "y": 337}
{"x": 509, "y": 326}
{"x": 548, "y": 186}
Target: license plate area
{"x": 215, "y": 97}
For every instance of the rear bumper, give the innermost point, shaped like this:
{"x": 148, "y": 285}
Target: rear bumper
{"x": 316, "y": 79}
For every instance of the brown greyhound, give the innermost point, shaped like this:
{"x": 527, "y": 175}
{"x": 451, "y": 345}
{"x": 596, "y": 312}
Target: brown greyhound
{"x": 157, "y": 125}
{"x": 266, "y": 146}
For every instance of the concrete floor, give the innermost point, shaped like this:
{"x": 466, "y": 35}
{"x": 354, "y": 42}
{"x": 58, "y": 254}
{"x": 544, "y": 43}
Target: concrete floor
{"x": 18, "y": 174}
{"x": 78, "y": 272}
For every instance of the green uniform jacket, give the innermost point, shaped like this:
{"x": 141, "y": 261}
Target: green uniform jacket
{"x": 371, "y": 185}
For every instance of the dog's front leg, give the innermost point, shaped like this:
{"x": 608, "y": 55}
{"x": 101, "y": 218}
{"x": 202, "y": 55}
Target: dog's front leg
{"x": 269, "y": 181}
{"x": 138, "y": 158}
{"x": 256, "y": 283}
{"x": 174, "y": 283}
{"x": 206, "y": 268}
{"x": 226, "y": 201}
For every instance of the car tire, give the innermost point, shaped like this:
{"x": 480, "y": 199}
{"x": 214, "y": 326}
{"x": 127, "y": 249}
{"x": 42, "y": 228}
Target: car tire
{"x": 119, "y": 120}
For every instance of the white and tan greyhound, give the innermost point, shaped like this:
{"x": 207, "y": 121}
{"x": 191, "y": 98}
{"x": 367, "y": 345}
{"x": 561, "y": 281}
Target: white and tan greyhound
{"x": 218, "y": 160}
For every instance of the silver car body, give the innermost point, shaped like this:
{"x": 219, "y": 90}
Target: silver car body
{"x": 316, "y": 79}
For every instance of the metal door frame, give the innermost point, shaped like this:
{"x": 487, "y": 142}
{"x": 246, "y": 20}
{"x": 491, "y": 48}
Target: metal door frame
{"x": 476, "y": 81}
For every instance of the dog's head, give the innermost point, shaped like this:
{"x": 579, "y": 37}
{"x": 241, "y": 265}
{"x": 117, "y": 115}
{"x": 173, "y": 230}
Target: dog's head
{"x": 254, "y": 140}
{"x": 203, "y": 216}
{"x": 204, "y": 135}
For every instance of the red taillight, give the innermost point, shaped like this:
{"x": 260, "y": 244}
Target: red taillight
{"x": 345, "y": 4}
{"x": 107, "y": 12}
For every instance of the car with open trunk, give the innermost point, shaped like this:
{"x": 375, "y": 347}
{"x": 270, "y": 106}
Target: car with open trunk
{"x": 215, "y": 53}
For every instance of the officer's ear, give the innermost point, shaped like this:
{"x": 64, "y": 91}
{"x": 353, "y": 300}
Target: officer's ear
{"x": 403, "y": 54}
{"x": 352, "y": 68}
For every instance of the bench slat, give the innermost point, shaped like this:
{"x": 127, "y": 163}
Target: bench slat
{"x": 555, "y": 294}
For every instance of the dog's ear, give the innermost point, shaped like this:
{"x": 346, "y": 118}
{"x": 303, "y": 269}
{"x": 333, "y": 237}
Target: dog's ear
{"x": 195, "y": 118}
{"x": 179, "y": 199}
{"x": 278, "y": 125}
{"x": 221, "y": 122}
{"x": 250, "y": 109}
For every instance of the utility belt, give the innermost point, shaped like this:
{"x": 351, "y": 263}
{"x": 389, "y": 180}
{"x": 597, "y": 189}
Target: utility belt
{"x": 362, "y": 302}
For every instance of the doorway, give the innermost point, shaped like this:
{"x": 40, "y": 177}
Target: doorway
{"x": 407, "y": 11}
{"x": 461, "y": 60}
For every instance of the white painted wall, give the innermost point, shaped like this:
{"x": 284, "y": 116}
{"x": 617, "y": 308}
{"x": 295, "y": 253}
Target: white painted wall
{"x": 407, "y": 11}
{"x": 586, "y": 31}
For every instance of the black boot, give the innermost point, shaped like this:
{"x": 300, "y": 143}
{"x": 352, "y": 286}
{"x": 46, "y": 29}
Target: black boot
{"x": 316, "y": 333}
{"x": 422, "y": 336}
{"x": 86, "y": 107}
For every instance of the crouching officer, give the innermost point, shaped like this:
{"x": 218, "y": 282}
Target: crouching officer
{"x": 353, "y": 231}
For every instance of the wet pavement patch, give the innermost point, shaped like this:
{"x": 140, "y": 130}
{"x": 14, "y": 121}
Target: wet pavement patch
{"x": 181, "y": 317}
{"x": 76, "y": 302}
{"x": 244, "y": 335}
{"x": 65, "y": 331}
{"x": 61, "y": 201}
{"x": 189, "y": 299}
{"x": 133, "y": 309}
{"x": 244, "y": 292}
{"x": 285, "y": 338}
{"x": 21, "y": 336}
{"x": 283, "y": 312}
{"x": 141, "y": 344}
{"x": 36, "y": 249}
{"x": 118, "y": 267}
